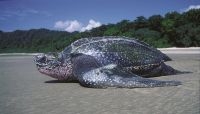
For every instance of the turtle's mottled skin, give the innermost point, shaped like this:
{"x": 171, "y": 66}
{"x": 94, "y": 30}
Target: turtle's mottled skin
{"x": 102, "y": 62}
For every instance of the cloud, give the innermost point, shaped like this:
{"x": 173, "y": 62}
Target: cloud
{"x": 74, "y": 25}
{"x": 192, "y": 7}
{"x": 69, "y": 26}
{"x": 91, "y": 24}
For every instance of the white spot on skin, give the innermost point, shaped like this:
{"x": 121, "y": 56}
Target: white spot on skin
{"x": 110, "y": 66}
{"x": 92, "y": 76}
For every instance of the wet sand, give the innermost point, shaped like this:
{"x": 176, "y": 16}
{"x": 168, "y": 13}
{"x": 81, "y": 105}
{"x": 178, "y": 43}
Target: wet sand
{"x": 23, "y": 90}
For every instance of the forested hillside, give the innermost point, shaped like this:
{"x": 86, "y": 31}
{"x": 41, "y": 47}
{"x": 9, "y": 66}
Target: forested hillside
{"x": 173, "y": 29}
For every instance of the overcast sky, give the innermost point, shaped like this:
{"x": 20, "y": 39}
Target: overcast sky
{"x": 81, "y": 15}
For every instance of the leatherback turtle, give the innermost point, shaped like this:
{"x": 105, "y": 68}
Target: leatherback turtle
{"x": 102, "y": 62}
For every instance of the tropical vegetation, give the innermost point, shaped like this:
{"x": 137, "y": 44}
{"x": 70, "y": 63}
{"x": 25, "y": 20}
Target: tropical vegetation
{"x": 174, "y": 29}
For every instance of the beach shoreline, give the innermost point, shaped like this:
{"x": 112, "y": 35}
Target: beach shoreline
{"x": 171, "y": 50}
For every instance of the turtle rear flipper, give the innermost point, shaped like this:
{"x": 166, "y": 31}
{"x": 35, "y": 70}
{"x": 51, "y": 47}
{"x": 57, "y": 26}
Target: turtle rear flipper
{"x": 102, "y": 78}
{"x": 91, "y": 74}
{"x": 162, "y": 70}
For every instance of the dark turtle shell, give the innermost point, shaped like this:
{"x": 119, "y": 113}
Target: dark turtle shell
{"x": 122, "y": 51}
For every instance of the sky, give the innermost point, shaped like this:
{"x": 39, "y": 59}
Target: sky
{"x": 81, "y": 15}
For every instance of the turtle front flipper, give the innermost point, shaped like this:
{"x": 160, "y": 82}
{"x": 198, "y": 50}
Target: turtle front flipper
{"x": 90, "y": 73}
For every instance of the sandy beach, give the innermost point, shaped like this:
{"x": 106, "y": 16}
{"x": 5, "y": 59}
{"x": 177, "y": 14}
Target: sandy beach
{"x": 23, "y": 90}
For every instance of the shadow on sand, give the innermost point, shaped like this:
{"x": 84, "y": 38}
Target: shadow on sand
{"x": 60, "y": 81}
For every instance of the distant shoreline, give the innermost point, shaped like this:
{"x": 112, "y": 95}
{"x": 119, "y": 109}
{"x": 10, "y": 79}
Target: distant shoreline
{"x": 175, "y": 50}
{"x": 171, "y": 50}
{"x": 18, "y": 54}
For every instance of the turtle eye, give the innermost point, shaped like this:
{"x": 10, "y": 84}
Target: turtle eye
{"x": 43, "y": 59}
{"x": 40, "y": 59}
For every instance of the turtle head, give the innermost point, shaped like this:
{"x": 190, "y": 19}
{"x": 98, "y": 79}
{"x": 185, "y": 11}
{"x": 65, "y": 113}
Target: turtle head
{"x": 54, "y": 65}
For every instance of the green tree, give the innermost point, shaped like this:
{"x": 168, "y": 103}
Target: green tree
{"x": 154, "y": 22}
{"x": 168, "y": 29}
{"x": 112, "y": 30}
{"x": 151, "y": 37}
{"x": 189, "y": 35}
{"x": 192, "y": 16}
{"x": 123, "y": 26}
{"x": 140, "y": 22}
{"x": 99, "y": 31}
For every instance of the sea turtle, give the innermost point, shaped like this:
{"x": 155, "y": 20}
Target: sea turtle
{"x": 101, "y": 62}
